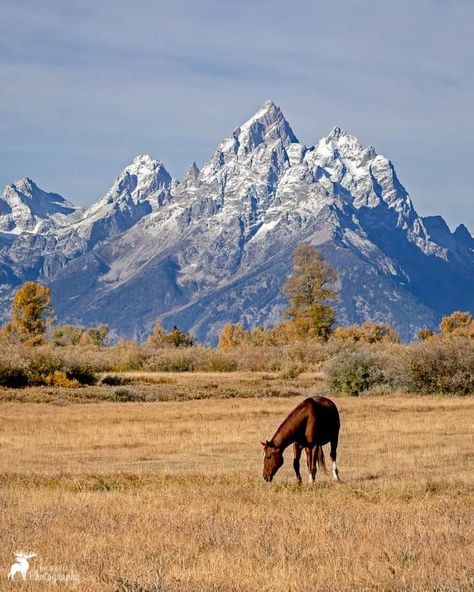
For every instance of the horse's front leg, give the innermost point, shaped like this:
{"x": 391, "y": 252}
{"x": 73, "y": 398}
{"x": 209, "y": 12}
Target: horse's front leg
{"x": 296, "y": 461}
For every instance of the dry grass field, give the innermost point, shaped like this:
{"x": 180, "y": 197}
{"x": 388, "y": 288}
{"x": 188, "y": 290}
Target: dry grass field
{"x": 172, "y": 386}
{"x": 168, "y": 496}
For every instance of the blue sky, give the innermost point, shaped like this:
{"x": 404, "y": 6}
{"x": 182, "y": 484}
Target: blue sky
{"x": 88, "y": 85}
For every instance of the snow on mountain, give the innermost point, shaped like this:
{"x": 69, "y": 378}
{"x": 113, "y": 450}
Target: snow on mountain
{"x": 24, "y": 207}
{"x": 372, "y": 182}
{"x": 217, "y": 247}
{"x": 141, "y": 188}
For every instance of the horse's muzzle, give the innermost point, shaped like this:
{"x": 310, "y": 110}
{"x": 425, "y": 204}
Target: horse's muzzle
{"x": 268, "y": 478}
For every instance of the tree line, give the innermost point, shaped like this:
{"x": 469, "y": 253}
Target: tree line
{"x": 310, "y": 291}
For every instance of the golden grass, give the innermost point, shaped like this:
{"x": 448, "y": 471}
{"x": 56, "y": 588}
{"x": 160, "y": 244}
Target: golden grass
{"x": 169, "y": 496}
{"x": 171, "y": 386}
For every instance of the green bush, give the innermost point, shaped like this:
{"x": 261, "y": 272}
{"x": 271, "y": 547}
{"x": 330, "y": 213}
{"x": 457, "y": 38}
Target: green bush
{"x": 355, "y": 372}
{"x": 292, "y": 371}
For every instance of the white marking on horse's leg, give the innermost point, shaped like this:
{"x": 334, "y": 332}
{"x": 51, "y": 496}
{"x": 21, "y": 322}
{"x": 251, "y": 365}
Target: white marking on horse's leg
{"x": 310, "y": 478}
{"x": 335, "y": 472}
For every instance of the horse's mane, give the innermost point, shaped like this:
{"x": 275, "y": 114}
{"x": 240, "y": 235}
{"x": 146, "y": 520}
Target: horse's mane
{"x": 291, "y": 415}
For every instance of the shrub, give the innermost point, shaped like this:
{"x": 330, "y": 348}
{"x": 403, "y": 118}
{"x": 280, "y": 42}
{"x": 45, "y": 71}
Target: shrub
{"x": 114, "y": 380}
{"x": 424, "y": 334}
{"x": 66, "y": 335}
{"x": 457, "y": 323}
{"x": 442, "y": 366}
{"x": 82, "y": 374}
{"x": 217, "y": 362}
{"x": 57, "y": 366}
{"x": 42, "y": 363}
{"x": 292, "y": 371}
{"x": 355, "y": 372}
{"x": 59, "y": 378}
{"x": 368, "y": 332}
{"x": 190, "y": 359}
{"x": 124, "y": 357}
{"x": 172, "y": 360}
{"x": 13, "y": 375}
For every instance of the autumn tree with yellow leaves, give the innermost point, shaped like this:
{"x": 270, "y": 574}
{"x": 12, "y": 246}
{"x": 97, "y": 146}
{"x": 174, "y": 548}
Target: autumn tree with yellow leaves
{"x": 309, "y": 289}
{"x": 31, "y": 314}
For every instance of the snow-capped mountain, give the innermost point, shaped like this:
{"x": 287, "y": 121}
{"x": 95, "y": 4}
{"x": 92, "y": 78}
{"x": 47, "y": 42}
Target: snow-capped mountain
{"x": 217, "y": 247}
{"x": 24, "y": 207}
{"x": 142, "y": 187}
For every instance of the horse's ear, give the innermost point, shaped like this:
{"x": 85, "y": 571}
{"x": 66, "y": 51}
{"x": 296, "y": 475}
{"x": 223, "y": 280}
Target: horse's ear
{"x": 263, "y": 443}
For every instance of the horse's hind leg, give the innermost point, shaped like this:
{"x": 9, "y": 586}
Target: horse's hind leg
{"x": 297, "y": 449}
{"x": 311, "y": 461}
{"x": 333, "y": 455}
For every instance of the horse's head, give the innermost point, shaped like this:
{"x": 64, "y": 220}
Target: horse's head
{"x": 272, "y": 460}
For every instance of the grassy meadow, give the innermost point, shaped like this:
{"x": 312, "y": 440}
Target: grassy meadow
{"x": 165, "y": 493}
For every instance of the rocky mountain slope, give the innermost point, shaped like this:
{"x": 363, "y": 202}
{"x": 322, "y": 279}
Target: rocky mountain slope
{"x": 217, "y": 246}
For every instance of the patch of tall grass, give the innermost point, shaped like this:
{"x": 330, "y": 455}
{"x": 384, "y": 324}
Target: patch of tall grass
{"x": 436, "y": 365}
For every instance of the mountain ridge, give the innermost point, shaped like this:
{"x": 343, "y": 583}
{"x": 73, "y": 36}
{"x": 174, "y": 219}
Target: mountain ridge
{"x": 217, "y": 246}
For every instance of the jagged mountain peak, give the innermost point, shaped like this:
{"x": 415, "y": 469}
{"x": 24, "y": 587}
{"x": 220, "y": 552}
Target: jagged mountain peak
{"x": 191, "y": 176}
{"x": 268, "y": 113}
{"x": 340, "y": 143}
{"x": 369, "y": 177}
{"x": 26, "y": 189}
{"x": 145, "y": 168}
{"x": 194, "y": 169}
{"x": 25, "y": 184}
{"x": 338, "y": 132}
{"x": 259, "y": 146}
{"x": 144, "y": 160}
{"x": 25, "y": 207}
{"x": 217, "y": 247}
{"x": 139, "y": 181}
{"x": 462, "y": 234}
{"x": 142, "y": 187}
{"x": 267, "y": 125}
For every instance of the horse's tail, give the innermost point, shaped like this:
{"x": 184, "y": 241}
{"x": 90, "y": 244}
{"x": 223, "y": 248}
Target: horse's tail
{"x": 321, "y": 461}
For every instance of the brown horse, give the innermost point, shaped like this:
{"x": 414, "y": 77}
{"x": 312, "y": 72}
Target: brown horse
{"x": 313, "y": 423}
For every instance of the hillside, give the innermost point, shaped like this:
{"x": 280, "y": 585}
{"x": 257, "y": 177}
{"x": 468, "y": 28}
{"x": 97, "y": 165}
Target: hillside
{"x": 217, "y": 246}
